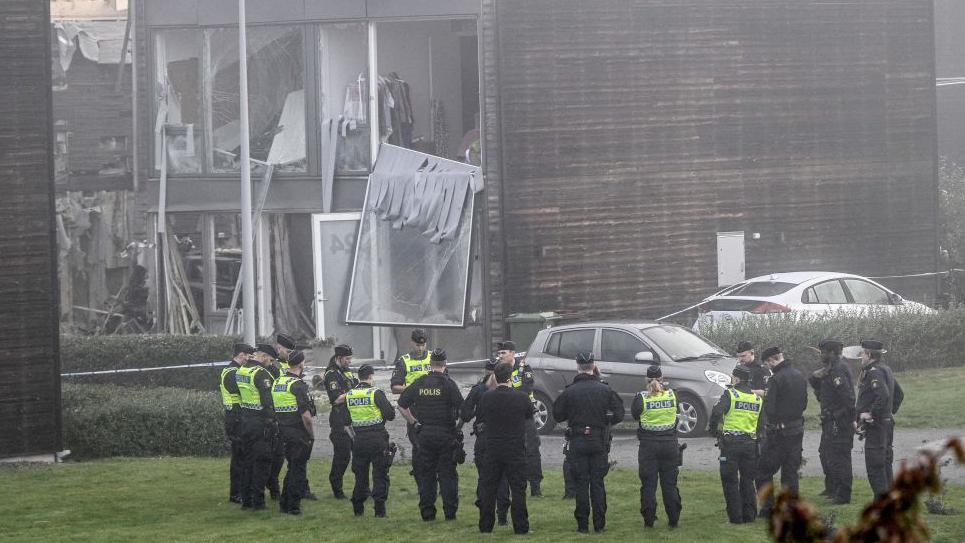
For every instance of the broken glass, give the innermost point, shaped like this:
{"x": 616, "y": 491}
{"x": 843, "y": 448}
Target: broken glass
{"x": 177, "y": 95}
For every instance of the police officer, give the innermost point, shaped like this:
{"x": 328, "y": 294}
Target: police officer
{"x": 368, "y": 410}
{"x": 231, "y": 399}
{"x": 431, "y": 404}
{"x": 784, "y": 404}
{"x": 268, "y": 357}
{"x": 470, "y": 411}
{"x": 257, "y": 428}
{"x": 284, "y": 346}
{"x": 735, "y": 421}
{"x": 523, "y": 380}
{"x": 879, "y": 397}
{"x": 295, "y": 411}
{"x": 339, "y": 379}
{"x": 759, "y": 374}
{"x": 659, "y": 453}
{"x": 408, "y": 368}
{"x": 591, "y": 408}
{"x": 834, "y": 390}
{"x": 507, "y": 412}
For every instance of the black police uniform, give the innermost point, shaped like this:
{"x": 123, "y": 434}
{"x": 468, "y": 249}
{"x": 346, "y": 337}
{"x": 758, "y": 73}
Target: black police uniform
{"x": 783, "y": 411}
{"x": 370, "y": 449}
{"x": 738, "y": 462}
{"x": 759, "y": 375}
{"x": 468, "y": 412}
{"x": 657, "y": 458}
{"x": 881, "y": 395}
{"x": 297, "y": 445}
{"x": 232, "y": 428}
{"x": 435, "y": 400}
{"x": 257, "y": 429}
{"x": 590, "y": 407}
{"x": 506, "y": 413}
{"x": 534, "y": 461}
{"x": 337, "y": 382}
{"x": 277, "y": 448}
{"x": 834, "y": 389}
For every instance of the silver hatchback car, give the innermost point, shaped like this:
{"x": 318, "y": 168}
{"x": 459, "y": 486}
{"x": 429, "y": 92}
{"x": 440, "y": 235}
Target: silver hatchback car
{"x": 697, "y": 369}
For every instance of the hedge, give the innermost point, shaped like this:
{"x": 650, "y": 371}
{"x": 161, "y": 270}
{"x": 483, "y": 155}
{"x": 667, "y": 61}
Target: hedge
{"x": 913, "y": 340}
{"x": 107, "y": 420}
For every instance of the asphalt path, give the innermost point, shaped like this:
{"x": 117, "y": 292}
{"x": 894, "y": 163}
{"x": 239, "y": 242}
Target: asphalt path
{"x": 701, "y": 454}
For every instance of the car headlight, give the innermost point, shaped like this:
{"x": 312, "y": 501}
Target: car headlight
{"x": 718, "y": 378}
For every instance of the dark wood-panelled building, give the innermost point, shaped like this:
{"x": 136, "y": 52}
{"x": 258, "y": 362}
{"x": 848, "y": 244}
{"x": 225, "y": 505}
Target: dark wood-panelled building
{"x": 29, "y": 364}
{"x": 637, "y": 154}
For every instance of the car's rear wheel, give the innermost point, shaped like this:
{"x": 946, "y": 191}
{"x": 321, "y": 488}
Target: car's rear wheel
{"x": 544, "y": 413}
{"x": 692, "y": 417}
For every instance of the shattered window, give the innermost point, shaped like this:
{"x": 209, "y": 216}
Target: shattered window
{"x": 227, "y": 258}
{"x": 276, "y": 98}
{"x": 413, "y": 253}
{"x": 177, "y": 96}
{"x": 343, "y": 87}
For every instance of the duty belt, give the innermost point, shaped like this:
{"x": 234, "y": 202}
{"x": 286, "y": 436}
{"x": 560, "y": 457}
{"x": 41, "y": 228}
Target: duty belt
{"x": 785, "y": 425}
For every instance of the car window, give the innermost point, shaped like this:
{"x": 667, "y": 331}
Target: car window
{"x": 620, "y": 346}
{"x": 570, "y": 343}
{"x": 680, "y": 343}
{"x": 829, "y": 292}
{"x": 864, "y": 292}
{"x": 761, "y": 288}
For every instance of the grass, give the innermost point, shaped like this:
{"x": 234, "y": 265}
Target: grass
{"x": 932, "y": 399}
{"x": 184, "y": 500}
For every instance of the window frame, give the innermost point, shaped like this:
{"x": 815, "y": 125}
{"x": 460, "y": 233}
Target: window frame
{"x": 851, "y": 296}
{"x": 847, "y": 293}
{"x": 593, "y": 341}
{"x": 646, "y": 346}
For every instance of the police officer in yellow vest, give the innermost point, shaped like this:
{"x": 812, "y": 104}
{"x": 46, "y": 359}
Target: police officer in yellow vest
{"x": 339, "y": 379}
{"x": 408, "y": 368}
{"x": 735, "y": 420}
{"x": 659, "y": 453}
{"x": 257, "y": 428}
{"x": 268, "y": 357}
{"x": 522, "y": 379}
{"x": 231, "y": 399}
{"x": 369, "y": 409}
{"x": 295, "y": 411}
{"x": 285, "y": 346}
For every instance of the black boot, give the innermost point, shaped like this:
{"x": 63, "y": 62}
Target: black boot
{"x": 534, "y": 490}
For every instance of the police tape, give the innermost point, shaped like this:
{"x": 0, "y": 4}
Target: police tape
{"x": 223, "y": 363}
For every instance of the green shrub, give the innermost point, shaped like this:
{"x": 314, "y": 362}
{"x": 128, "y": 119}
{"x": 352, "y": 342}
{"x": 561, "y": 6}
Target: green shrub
{"x": 913, "y": 340}
{"x": 107, "y": 420}
{"x": 97, "y": 353}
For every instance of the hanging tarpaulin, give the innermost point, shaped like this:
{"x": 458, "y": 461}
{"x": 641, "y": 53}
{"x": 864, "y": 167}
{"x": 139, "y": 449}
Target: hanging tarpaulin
{"x": 412, "y": 256}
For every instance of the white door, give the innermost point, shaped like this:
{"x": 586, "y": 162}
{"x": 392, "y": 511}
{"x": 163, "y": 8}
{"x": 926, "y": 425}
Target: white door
{"x": 333, "y": 242}
{"x": 730, "y": 258}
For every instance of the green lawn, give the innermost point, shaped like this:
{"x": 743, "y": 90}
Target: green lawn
{"x": 932, "y": 400}
{"x": 184, "y": 500}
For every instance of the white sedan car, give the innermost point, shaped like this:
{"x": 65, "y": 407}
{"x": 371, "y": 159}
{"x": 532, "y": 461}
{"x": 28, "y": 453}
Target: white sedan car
{"x": 805, "y": 292}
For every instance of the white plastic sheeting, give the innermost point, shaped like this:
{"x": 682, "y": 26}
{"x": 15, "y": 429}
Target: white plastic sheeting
{"x": 413, "y": 253}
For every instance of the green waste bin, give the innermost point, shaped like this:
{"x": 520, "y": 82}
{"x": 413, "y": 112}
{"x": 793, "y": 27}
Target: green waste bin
{"x": 523, "y": 327}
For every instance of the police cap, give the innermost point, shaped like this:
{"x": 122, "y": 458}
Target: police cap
{"x": 744, "y": 346}
{"x": 243, "y": 348}
{"x": 742, "y": 372}
{"x": 438, "y": 355}
{"x": 296, "y": 358}
{"x": 872, "y": 345}
{"x": 506, "y": 346}
{"x": 267, "y": 349}
{"x": 829, "y": 345}
{"x": 365, "y": 371}
{"x": 419, "y": 336}
{"x": 343, "y": 350}
{"x": 770, "y": 351}
{"x": 654, "y": 372}
{"x": 285, "y": 341}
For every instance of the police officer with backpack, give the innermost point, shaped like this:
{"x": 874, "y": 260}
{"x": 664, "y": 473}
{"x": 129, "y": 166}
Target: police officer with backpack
{"x": 735, "y": 421}
{"x": 659, "y": 453}
{"x": 368, "y": 410}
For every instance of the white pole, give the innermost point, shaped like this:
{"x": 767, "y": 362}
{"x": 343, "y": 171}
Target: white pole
{"x": 247, "y": 236}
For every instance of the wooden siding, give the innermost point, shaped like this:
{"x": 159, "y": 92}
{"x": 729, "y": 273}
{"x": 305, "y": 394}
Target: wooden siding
{"x": 627, "y": 133}
{"x": 29, "y": 348}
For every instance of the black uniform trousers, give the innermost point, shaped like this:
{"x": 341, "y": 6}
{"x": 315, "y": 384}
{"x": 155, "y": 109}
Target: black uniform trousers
{"x": 369, "y": 453}
{"x": 232, "y": 428}
{"x": 569, "y": 481}
{"x": 738, "y": 472}
{"x": 502, "y": 489}
{"x": 414, "y": 441}
{"x": 534, "y": 461}
{"x": 435, "y": 468}
{"x": 835, "y": 454}
{"x": 659, "y": 459}
{"x": 590, "y": 464}
{"x": 341, "y": 456}
{"x": 879, "y": 456}
{"x": 277, "y": 461}
{"x": 297, "y": 446}
{"x": 498, "y": 466}
{"x": 780, "y": 451}
{"x": 256, "y": 432}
